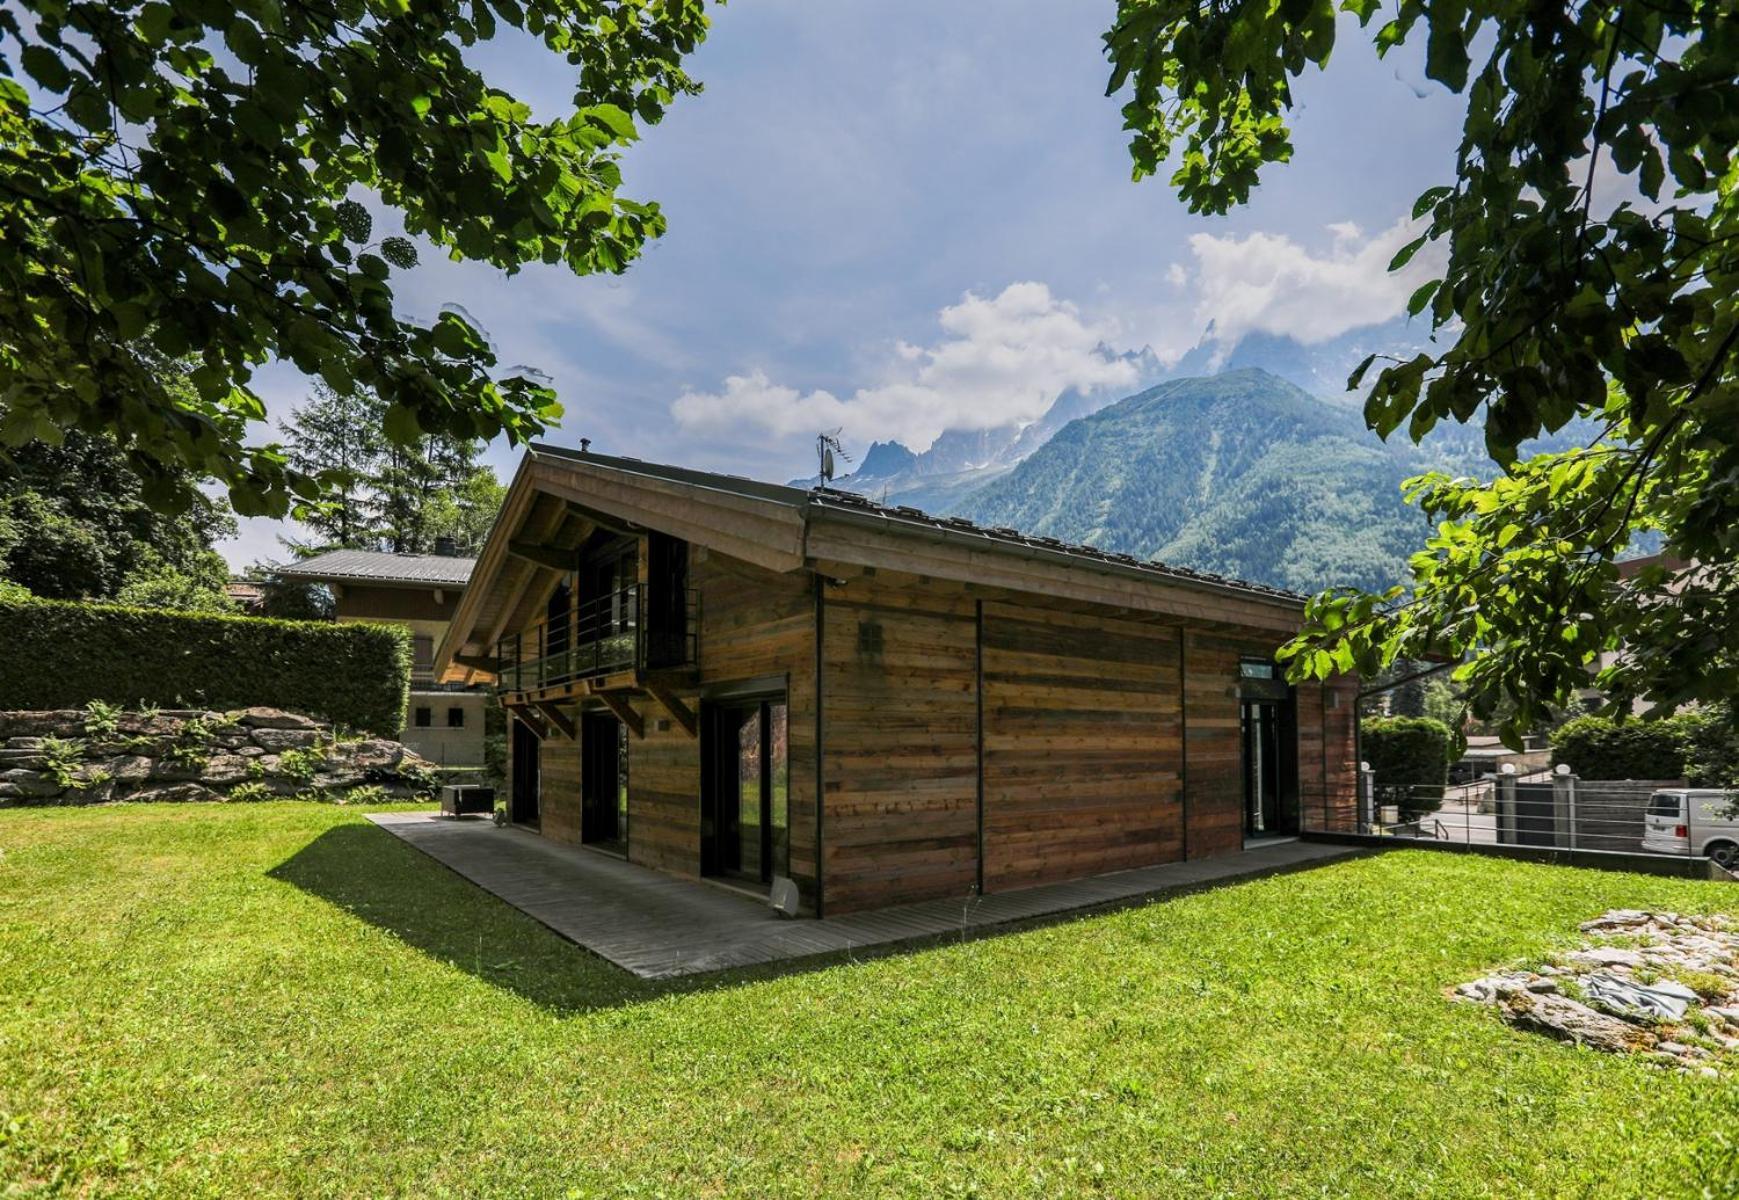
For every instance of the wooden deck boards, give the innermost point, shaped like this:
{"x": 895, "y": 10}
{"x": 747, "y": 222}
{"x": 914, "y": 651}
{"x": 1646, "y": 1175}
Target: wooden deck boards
{"x": 660, "y": 926}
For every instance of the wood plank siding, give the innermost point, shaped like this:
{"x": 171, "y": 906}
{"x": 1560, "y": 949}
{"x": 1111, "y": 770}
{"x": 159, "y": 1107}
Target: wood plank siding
{"x": 900, "y": 753}
{"x": 1082, "y": 746}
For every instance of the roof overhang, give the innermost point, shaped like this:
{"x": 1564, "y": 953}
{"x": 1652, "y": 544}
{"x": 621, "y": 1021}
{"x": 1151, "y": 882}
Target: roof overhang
{"x": 559, "y": 497}
{"x": 418, "y": 585}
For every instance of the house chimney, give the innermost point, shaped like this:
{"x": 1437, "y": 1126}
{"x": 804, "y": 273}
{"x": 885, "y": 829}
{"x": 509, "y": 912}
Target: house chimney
{"x": 446, "y": 547}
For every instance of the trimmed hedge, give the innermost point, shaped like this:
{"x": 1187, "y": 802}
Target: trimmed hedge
{"x": 64, "y": 654}
{"x": 1601, "y": 748}
{"x": 1410, "y": 759}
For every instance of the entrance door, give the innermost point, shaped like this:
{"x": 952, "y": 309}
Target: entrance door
{"x": 604, "y": 782}
{"x": 526, "y": 777}
{"x": 1270, "y": 768}
{"x": 745, "y": 816}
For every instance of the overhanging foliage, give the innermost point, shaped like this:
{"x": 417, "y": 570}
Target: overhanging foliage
{"x": 1590, "y": 239}
{"x": 183, "y": 180}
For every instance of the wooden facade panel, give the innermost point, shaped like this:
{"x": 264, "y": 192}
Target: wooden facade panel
{"x": 900, "y": 765}
{"x": 1082, "y": 751}
{"x": 559, "y": 788}
{"x": 663, "y": 795}
{"x": 1213, "y": 742}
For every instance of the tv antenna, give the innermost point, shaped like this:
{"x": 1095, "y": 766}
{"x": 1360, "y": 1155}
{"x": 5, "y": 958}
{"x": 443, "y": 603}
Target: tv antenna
{"x": 827, "y": 448}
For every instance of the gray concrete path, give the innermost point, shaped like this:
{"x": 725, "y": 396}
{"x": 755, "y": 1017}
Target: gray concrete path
{"x": 659, "y": 926}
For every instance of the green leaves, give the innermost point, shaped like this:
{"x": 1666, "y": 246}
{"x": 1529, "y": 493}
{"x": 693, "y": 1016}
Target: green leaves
{"x": 45, "y": 66}
{"x": 400, "y": 252}
{"x": 353, "y": 221}
{"x": 1558, "y": 300}
{"x": 177, "y": 204}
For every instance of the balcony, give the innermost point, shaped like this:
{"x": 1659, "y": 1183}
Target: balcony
{"x": 627, "y": 632}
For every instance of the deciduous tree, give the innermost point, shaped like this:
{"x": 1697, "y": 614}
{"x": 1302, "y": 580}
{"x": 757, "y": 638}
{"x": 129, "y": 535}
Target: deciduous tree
{"x": 191, "y": 178}
{"x": 1590, "y": 229}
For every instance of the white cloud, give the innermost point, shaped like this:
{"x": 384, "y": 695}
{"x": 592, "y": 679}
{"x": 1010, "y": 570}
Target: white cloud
{"x": 1270, "y": 283}
{"x": 1001, "y": 359}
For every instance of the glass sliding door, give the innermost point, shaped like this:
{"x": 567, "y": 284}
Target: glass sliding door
{"x": 745, "y": 814}
{"x": 1260, "y": 722}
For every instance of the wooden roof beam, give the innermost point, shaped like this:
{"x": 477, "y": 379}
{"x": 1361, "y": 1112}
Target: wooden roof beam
{"x": 554, "y": 557}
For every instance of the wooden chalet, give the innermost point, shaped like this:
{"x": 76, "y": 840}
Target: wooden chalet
{"x": 850, "y": 705}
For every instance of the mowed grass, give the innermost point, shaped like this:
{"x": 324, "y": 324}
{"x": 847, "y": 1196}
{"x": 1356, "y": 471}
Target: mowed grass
{"x": 279, "y": 999}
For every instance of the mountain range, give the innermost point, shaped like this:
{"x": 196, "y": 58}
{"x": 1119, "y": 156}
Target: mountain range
{"x": 1227, "y": 462}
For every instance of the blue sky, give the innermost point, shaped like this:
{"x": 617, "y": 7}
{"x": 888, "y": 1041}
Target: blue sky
{"x": 893, "y": 216}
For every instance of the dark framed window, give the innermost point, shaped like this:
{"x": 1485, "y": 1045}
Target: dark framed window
{"x": 423, "y": 653}
{"x": 1256, "y": 668}
{"x": 455, "y": 718}
{"x": 425, "y": 717}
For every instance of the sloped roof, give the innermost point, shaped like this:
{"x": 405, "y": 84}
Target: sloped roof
{"x": 825, "y": 502}
{"x": 560, "y": 496}
{"x": 373, "y": 566}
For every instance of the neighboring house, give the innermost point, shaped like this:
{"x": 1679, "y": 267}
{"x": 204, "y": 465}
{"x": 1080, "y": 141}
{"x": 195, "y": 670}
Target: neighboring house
{"x": 420, "y": 591}
{"x": 246, "y": 595}
{"x": 717, "y": 677}
{"x": 1677, "y": 569}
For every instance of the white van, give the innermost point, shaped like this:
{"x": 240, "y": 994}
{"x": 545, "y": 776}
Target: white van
{"x": 1688, "y": 821}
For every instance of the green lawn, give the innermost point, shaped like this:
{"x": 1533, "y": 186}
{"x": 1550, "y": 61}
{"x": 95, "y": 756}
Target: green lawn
{"x": 280, "y": 999}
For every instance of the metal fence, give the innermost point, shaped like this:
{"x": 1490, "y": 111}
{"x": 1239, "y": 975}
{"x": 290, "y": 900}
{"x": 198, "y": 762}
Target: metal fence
{"x": 1544, "y": 810}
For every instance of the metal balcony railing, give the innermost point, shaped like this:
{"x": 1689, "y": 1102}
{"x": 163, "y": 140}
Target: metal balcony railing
{"x": 601, "y": 636}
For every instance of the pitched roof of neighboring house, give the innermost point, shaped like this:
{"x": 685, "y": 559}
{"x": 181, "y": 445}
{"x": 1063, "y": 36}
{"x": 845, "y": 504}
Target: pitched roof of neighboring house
{"x": 1629, "y": 568}
{"x": 375, "y": 567}
{"x": 559, "y": 496}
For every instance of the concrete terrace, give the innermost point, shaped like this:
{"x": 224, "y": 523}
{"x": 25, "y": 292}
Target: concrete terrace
{"x": 660, "y": 926}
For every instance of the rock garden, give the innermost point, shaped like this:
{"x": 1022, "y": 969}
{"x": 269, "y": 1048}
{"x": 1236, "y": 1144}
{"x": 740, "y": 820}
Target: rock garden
{"x": 100, "y": 754}
{"x": 1659, "y": 984}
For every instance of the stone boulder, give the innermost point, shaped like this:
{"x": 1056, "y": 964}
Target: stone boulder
{"x": 156, "y": 725}
{"x": 223, "y": 769}
{"x": 30, "y": 783}
{"x": 178, "y": 793}
{"x": 1561, "y": 1017}
{"x": 373, "y": 754}
{"x": 177, "y": 769}
{"x": 58, "y": 723}
{"x": 278, "y": 740}
{"x": 271, "y": 718}
{"x": 129, "y": 768}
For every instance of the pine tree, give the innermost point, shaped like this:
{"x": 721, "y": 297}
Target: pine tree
{"x": 337, "y": 436}
{"x": 385, "y": 495}
{"x": 412, "y": 483}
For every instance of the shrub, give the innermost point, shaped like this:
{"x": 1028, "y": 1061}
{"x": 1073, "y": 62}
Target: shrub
{"x": 301, "y": 765}
{"x": 70, "y": 653}
{"x": 1712, "y": 747}
{"x": 102, "y": 719}
{"x": 62, "y": 759}
{"x": 1410, "y": 756}
{"x": 1601, "y": 748}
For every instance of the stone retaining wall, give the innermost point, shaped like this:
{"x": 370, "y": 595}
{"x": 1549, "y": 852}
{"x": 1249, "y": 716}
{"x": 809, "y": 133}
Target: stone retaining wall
{"x": 97, "y": 755}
